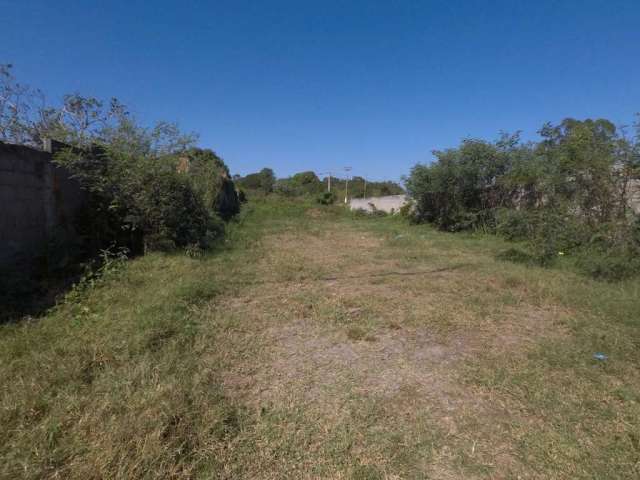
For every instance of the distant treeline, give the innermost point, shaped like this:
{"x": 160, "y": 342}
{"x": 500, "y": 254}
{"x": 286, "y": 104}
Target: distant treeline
{"x": 309, "y": 184}
{"x": 574, "y": 192}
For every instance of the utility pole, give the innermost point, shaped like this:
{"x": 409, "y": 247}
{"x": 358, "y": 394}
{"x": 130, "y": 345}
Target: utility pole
{"x": 364, "y": 195}
{"x": 329, "y": 176}
{"x": 346, "y": 185}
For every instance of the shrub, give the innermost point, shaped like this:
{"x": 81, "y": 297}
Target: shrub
{"x": 567, "y": 193}
{"x": 262, "y": 181}
{"x": 147, "y": 185}
{"x": 171, "y": 209}
{"x": 326, "y": 198}
{"x": 513, "y": 224}
{"x": 613, "y": 252}
{"x": 153, "y": 202}
{"x": 608, "y": 265}
{"x": 461, "y": 190}
{"x": 210, "y": 177}
{"x": 299, "y": 185}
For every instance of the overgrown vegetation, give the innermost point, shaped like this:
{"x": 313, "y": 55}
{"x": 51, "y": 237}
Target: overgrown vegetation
{"x": 308, "y": 185}
{"x": 327, "y": 198}
{"x": 569, "y": 194}
{"x": 303, "y": 184}
{"x": 359, "y": 187}
{"x": 262, "y": 181}
{"x": 149, "y": 187}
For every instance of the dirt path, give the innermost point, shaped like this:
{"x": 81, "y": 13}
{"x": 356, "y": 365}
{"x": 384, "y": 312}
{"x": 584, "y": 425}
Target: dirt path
{"x": 358, "y": 346}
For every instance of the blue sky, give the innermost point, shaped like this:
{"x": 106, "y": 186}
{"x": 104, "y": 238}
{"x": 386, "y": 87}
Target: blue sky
{"x": 300, "y": 85}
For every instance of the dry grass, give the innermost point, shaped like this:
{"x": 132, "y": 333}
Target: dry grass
{"x": 362, "y": 330}
{"x": 324, "y": 347}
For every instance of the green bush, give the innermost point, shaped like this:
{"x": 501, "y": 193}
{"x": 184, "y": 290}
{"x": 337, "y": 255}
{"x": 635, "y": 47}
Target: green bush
{"x": 461, "y": 190}
{"x": 171, "y": 209}
{"x": 407, "y": 211}
{"x": 301, "y": 184}
{"x": 326, "y": 198}
{"x": 608, "y": 265}
{"x": 262, "y": 181}
{"x": 153, "y": 202}
{"x": 147, "y": 185}
{"x": 567, "y": 194}
{"x": 613, "y": 252}
{"x": 210, "y": 177}
{"x": 513, "y": 224}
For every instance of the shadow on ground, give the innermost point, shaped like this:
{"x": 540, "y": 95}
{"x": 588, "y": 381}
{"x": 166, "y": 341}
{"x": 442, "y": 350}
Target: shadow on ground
{"x": 28, "y": 293}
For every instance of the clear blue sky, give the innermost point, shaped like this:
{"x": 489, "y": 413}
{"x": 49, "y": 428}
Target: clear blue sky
{"x": 300, "y": 85}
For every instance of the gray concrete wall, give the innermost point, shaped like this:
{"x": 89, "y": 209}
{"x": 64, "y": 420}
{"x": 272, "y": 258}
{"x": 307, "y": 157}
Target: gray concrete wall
{"x": 38, "y": 200}
{"x": 634, "y": 196}
{"x": 389, "y": 204}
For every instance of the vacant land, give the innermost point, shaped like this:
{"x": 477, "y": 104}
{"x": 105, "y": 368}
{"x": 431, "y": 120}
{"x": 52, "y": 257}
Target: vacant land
{"x": 319, "y": 345}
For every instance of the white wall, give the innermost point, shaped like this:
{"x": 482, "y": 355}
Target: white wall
{"x": 385, "y": 204}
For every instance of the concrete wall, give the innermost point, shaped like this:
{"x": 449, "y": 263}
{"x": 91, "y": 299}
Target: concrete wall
{"x": 38, "y": 200}
{"x": 386, "y": 204}
{"x": 395, "y": 202}
{"x": 634, "y": 196}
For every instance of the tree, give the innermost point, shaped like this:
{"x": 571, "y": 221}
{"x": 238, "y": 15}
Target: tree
{"x": 462, "y": 189}
{"x": 300, "y": 184}
{"x": 17, "y": 113}
{"x": 581, "y": 158}
{"x": 264, "y": 180}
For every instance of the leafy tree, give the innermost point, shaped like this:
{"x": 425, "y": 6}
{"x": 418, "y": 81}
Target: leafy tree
{"x": 360, "y": 187}
{"x": 570, "y": 192}
{"x": 300, "y": 184}
{"x": 18, "y": 112}
{"x": 263, "y": 181}
{"x": 462, "y": 189}
{"x": 582, "y": 155}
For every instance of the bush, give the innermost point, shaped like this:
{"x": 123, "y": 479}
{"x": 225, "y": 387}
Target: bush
{"x": 610, "y": 266}
{"x": 172, "y": 210}
{"x": 299, "y": 185}
{"x": 461, "y": 190}
{"x": 146, "y": 185}
{"x": 567, "y": 193}
{"x": 262, "y": 181}
{"x": 153, "y": 202}
{"x": 210, "y": 177}
{"x": 613, "y": 252}
{"x": 326, "y": 198}
{"x": 513, "y": 224}
{"x": 408, "y": 211}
